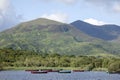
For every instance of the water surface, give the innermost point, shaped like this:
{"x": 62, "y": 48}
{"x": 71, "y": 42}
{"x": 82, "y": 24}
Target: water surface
{"x": 92, "y": 75}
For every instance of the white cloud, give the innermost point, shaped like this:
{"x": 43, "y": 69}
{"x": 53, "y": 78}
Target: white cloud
{"x": 112, "y": 5}
{"x": 68, "y": 1}
{"x": 8, "y": 16}
{"x": 94, "y": 21}
{"x": 116, "y": 7}
{"x": 63, "y": 1}
{"x": 61, "y": 17}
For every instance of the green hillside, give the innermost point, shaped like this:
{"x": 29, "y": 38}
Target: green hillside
{"x": 47, "y": 36}
{"x": 106, "y": 32}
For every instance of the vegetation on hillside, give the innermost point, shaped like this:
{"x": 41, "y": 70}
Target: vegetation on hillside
{"x": 18, "y": 58}
{"x": 114, "y": 67}
{"x": 104, "y": 32}
{"x": 47, "y": 43}
{"x": 49, "y": 36}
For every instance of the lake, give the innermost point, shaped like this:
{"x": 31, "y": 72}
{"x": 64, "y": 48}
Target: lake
{"x": 92, "y": 75}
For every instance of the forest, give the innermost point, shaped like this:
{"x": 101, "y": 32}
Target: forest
{"x": 19, "y": 58}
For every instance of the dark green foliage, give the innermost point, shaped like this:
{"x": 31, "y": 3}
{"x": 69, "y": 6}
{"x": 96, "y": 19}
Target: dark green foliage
{"x": 114, "y": 67}
{"x": 19, "y": 58}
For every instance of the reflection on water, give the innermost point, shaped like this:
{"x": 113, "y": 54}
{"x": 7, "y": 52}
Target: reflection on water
{"x": 22, "y": 75}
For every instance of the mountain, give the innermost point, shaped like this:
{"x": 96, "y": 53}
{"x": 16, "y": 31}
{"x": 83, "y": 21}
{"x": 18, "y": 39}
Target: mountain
{"x": 48, "y": 36}
{"x": 104, "y": 32}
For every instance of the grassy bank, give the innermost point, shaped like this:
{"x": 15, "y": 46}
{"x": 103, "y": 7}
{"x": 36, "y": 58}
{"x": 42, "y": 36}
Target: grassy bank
{"x": 24, "y": 68}
{"x": 65, "y": 68}
{"x": 100, "y": 69}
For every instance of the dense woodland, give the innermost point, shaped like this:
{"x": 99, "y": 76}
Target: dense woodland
{"x": 18, "y": 58}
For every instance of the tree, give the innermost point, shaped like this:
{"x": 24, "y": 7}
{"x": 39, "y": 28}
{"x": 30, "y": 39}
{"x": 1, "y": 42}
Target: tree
{"x": 114, "y": 67}
{"x": 1, "y": 67}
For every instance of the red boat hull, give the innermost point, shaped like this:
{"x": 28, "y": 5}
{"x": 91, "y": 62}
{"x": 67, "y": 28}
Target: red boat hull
{"x": 78, "y": 70}
{"x": 31, "y": 70}
{"x": 38, "y": 72}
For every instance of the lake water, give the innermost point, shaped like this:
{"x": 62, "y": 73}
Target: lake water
{"x": 92, "y": 75}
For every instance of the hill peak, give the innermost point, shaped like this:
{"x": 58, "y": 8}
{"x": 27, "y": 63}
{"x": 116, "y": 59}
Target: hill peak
{"x": 49, "y": 36}
{"x": 81, "y": 22}
{"x": 106, "y": 32}
{"x": 44, "y": 21}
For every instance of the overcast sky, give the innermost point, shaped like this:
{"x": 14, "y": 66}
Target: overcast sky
{"x": 96, "y": 12}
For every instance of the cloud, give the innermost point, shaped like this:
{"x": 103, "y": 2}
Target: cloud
{"x": 116, "y": 7}
{"x": 8, "y": 17}
{"x": 63, "y": 1}
{"x": 68, "y": 1}
{"x": 61, "y": 17}
{"x": 94, "y": 21}
{"x": 112, "y": 5}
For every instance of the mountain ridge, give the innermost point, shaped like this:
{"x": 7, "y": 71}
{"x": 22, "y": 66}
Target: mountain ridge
{"x": 105, "y": 32}
{"x": 49, "y": 36}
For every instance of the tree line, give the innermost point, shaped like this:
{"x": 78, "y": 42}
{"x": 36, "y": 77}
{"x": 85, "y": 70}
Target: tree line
{"x": 18, "y": 58}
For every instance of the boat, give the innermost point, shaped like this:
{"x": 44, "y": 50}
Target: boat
{"x": 65, "y": 71}
{"x": 50, "y": 70}
{"x": 78, "y": 70}
{"x": 38, "y": 72}
{"x": 46, "y": 70}
{"x": 55, "y": 70}
{"x": 114, "y": 72}
{"x": 31, "y": 70}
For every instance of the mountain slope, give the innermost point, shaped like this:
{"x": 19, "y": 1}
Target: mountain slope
{"x": 47, "y": 36}
{"x": 105, "y": 32}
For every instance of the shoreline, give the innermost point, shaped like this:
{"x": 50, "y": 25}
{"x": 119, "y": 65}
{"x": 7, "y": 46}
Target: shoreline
{"x": 56, "y": 68}
{"x": 24, "y": 68}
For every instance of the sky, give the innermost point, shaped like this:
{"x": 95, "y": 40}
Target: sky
{"x": 97, "y": 12}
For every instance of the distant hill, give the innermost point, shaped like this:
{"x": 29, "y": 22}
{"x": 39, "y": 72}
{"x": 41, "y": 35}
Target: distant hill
{"x": 48, "y": 36}
{"x": 105, "y": 32}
